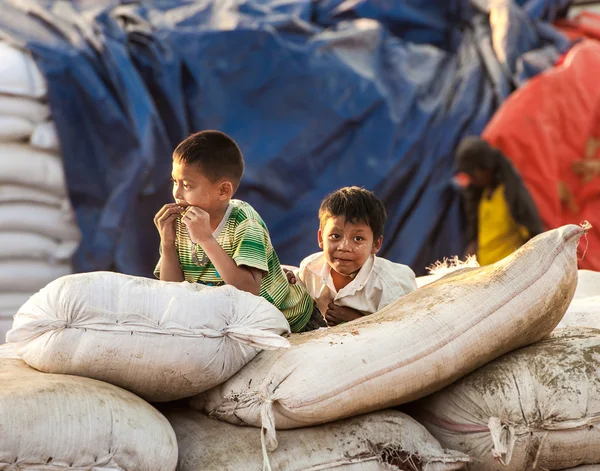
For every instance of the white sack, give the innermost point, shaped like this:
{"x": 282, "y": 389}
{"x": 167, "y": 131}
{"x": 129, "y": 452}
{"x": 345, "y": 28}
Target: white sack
{"x": 59, "y": 422}
{"x": 411, "y": 348}
{"x": 32, "y": 246}
{"x": 23, "y": 107}
{"x": 445, "y": 267}
{"x": 587, "y": 467}
{"x": 44, "y": 136}
{"x": 534, "y": 408}
{"x": 159, "y": 339}
{"x": 19, "y": 75}
{"x": 13, "y": 128}
{"x": 29, "y": 275}
{"x": 8, "y": 350}
{"x": 22, "y": 164}
{"x": 10, "y": 193}
{"x": 588, "y": 284}
{"x": 584, "y": 309}
{"x": 366, "y": 443}
{"x": 584, "y": 312}
{"x": 41, "y": 219}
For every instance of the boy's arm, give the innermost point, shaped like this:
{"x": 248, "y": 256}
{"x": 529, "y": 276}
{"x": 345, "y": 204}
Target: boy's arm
{"x": 168, "y": 266}
{"x": 243, "y": 278}
{"x": 170, "y": 269}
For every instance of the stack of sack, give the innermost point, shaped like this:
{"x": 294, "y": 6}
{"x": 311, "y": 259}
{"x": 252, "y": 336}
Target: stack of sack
{"x": 334, "y": 387}
{"x": 38, "y": 232}
{"x": 88, "y": 336}
{"x": 414, "y": 347}
{"x": 535, "y": 408}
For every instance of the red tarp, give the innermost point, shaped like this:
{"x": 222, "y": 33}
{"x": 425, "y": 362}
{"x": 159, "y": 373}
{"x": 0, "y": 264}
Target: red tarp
{"x": 544, "y": 128}
{"x": 584, "y": 25}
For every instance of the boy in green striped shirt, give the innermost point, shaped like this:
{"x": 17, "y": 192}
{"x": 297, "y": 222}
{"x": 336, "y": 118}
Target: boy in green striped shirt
{"x": 208, "y": 237}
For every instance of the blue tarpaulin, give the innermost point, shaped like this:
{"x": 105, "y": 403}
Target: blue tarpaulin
{"x": 318, "y": 94}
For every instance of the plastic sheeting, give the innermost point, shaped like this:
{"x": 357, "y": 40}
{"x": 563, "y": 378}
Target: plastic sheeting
{"x": 544, "y": 129}
{"x": 319, "y": 95}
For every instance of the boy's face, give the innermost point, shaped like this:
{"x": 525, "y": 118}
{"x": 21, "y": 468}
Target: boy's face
{"x": 347, "y": 245}
{"x": 192, "y": 188}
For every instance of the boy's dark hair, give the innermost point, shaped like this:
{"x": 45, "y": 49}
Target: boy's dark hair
{"x": 216, "y": 153}
{"x": 356, "y": 205}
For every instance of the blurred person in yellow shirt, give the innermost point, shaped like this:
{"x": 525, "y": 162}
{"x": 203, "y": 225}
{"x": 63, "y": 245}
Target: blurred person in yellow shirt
{"x": 500, "y": 212}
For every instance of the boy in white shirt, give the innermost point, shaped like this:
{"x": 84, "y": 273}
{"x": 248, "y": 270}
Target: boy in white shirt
{"x": 347, "y": 280}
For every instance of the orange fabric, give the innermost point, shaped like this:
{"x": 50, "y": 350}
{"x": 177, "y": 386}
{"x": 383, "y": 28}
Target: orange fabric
{"x": 545, "y": 127}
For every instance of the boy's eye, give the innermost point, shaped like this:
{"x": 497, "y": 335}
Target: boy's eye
{"x": 358, "y": 238}
{"x": 186, "y": 186}
{"x": 334, "y": 236}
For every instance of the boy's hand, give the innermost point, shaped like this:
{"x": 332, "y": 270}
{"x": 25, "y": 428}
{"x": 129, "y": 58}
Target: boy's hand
{"x": 290, "y": 276}
{"x": 338, "y": 314}
{"x": 197, "y": 222}
{"x": 165, "y": 223}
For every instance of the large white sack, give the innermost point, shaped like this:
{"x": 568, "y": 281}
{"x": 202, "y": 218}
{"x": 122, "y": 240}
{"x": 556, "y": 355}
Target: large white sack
{"x": 30, "y": 275}
{"x": 161, "y": 340}
{"x": 58, "y": 422}
{"x": 584, "y": 309}
{"x": 588, "y": 284}
{"x": 583, "y": 312}
{"x": 32, "y": 246}
{"x": 8, "y": 350}
{"x": 22, "y": 164}
{"x": 534, "y": 408}
{"x": 44, "y": 136}
{"x": 23, "y": 107}
{"x": 13, "y": 128}
{"x": 445, "y": 267}
{"x": 49, "y": 221}
{"x": 19, "y": 75}
{"x": 586, "y": 467}
{"x": 381, "y": 441}
{"x": 10, "y": 193}
{"x": 411, "y": 348}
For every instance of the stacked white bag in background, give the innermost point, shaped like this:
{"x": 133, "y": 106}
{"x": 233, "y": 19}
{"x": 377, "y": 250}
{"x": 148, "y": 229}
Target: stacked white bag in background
{"x": 38, "y": 232}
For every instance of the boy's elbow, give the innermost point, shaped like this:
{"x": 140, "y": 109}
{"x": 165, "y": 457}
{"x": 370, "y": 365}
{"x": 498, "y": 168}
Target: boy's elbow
{"x": 250, "y": 287}
{"x": 254, "y": 289}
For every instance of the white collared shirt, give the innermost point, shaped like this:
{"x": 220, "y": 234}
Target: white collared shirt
{"x": 378, "y": 283}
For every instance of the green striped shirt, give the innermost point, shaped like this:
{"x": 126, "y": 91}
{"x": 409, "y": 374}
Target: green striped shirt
{"x": 245, "y": 238}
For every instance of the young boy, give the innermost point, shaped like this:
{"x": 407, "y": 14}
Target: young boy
{"x": 210, "y": 238}
{"x": 347, "y": 280}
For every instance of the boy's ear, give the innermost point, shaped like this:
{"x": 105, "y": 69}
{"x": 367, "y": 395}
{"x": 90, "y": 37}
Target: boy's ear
{"x": 226, "y": 189}
{"x": 377, "y": 245}
{"x": 320, "y": 236}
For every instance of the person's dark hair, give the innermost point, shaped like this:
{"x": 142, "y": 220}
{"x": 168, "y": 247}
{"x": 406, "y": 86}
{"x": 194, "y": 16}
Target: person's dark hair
{"x": 473, "y": 153}
{"x": 356, "y": 205}
{"x": 217, "y": 155}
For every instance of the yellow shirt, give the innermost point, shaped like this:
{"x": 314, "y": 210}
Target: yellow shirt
{"x": 498, "y": 233}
